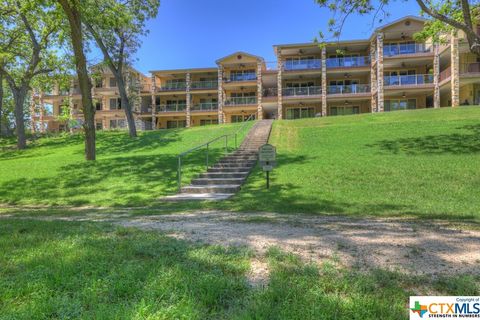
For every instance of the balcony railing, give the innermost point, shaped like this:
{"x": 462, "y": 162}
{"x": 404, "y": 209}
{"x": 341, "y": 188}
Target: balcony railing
{"x": 270, "y": 92}
{"x": 471, "y": 67}
{"x": 173, "y": 87}
{"x": 212, "y": 84}
{"x": 171, "y": 107}
{"x": 241, "y": 101}
{"x": 349, "y": 89}
{"x": 302, "y": 91}
{"x": 205, "y": 106}
{"x": 348, "y": 62}
{"x": 408, "y": 80}
{"x": 445, "y": 74}
{"x": 243, "y": 77}
{"x": 305, "y": 64}
{"x": 390, "y": 50}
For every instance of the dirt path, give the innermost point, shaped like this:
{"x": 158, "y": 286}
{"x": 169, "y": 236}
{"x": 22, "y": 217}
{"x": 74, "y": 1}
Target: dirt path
{"x": 413, "y": 247}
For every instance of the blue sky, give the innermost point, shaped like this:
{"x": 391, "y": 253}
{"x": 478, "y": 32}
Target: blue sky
{"x": 195, "y": 33}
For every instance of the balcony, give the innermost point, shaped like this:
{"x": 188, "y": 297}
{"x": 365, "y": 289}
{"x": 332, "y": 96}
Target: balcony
{"x": 302, "y": 91}
{"x": 348, "y": 62}
{"x": 408, "y": 80}
{"x": 471, "y": 67}
{"x": 445, "y": 74}
{"x": 242, "y": 77}
{"x": 199, "y": 85}
{"x": 390, "y": 50}
{"x": 180, "y": 86}
{"x": 349, "y": 89}
{"x": 270, "y": 92}
{"x": 205, "y": 106}
{"x": 179, "y": 107}
{"x": 240, "y": 101}
{"x": 303, "y": 64}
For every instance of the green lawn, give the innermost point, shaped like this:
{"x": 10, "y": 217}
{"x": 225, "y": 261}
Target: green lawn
{"x": 85, "y": 270}
{"x": 128, "y": 172}
{"x": 422, "y": 163}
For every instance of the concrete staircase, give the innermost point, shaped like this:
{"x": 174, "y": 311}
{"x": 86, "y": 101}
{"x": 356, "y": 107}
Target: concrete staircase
{"x": 225, "y": 178}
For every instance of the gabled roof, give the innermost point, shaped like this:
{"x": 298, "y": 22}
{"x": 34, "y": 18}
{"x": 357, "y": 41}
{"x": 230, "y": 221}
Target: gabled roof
{"x": 240, "y": 53}
{"x": 415, "y": 18}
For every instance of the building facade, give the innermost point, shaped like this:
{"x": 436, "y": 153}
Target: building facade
{"x": 389, "y": 71}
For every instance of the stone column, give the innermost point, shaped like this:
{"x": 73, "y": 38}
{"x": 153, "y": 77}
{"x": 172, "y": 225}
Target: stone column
{"x": 380, "y": 80}
{"x": 153, "y": 88}
{"x": 455, "y": 66}
{"x": 220, "y": 95}
{"x": 323, "y": 111}
{"x": 279, "y": 88}
{"x": 259, "y": 91}
{"x": 436, "y": 76}
{"x": 373, "y": 76}
{"x": 42, "y": 113}
{"x": 71, "y": 105}
{"x": 189, "y": 99}
{"x": 32, "y": 112}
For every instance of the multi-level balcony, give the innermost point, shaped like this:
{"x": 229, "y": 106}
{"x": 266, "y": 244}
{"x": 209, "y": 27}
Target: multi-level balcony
{"x": 240, "y": 101}
{"x": 204, "y": 85}
{"x": 302, "y": 64}
{"x": 242, "y": 77}
{"x": 349, "y": 89}
{"x": 205, "y": 106}
{"x": 179, "y": 86}
{"x": 176, "y": 107}
{"x": 301, "y": 91}
{"x": 390, "y": 50}
{"x": 408, "y": 80}
{"x": 348, "y": 62}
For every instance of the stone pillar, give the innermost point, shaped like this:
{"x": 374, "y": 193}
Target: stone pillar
{"x": 221, "y": 118}
{"x": 380, "y": 80}
{"x": 153, "y": 88}
{"x": 279, "y": 88}
{"x": 373, "y": 76}
{"x": 32, "y": 112}
{"x": 455, "y": 66}
{"x": 189, "y": 99}
{"x": 71, "y": 104}
{"x": 259, "y": 91}
{"x": 42, "y": 113}
{"x": 323, "y": 111}
{"x": 436, "y": 76}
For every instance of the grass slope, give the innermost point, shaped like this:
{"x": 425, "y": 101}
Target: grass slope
{"x": 127, "y": 171}
{"x": 85, "y": 270}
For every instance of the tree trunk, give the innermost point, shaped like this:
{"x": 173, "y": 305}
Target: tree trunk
{"x": 74, "y": 19}
{"x": 19, "y": 98}
{"x": 1, "y": 104}
{"x": 132, "y": 130}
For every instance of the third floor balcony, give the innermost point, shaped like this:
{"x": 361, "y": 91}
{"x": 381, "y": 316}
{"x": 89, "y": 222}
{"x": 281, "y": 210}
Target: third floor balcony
{"x": 349, "y": 89}
{"x": 348, "y": 62}
{"x": 239, "y": 101}
{"x": 396, "y": 49}
{"x": 204, "y": 84}
{"x": 408, "y": 80}
{"x": 175, "y": 86}
{"x": 205, "y": 106}
{"x": 174, "y": 107}
{"x": 250, "y": 76}
{"x": 302, "y": 64}
{"x": 302, "y": 91}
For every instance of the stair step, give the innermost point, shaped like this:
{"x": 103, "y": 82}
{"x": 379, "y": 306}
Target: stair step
{"x": 234, "y": 164}
{"x": 237, "y": 169}
{"x": 227, "y": 175}
{"x": 217, "y": 181}
{"x": 223, "y": 188}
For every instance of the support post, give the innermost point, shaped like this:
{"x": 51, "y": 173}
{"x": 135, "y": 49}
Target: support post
{"x": 221, "y": 118}
{"x": 259, "y": 90}
{"x": 153, "y": 88}
{"x": 189, "y": 99}
{"x": 373, "y": 75}
{"x": 455, "y": 78}
{"x": 324, "y": 82}
{"x": 380, "y": 79}
{"x": 436, "y": 76}
{"x": 279, "y": 86}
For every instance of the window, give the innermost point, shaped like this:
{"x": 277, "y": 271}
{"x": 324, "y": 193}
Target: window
{"x": 206, "y": 122}
{"x": 400, "y": 104}
{"x": 172, "y": 124}
{"x": 298, "y": 113}
{"x": 344, "y": 110}
{"x": 113, "y": 83}
{"x": 98, "y": 106}
{"x": 241, "y": 118}
{"x": 113, "y": 124}
{"x": 242, "y": 75}
{"x": 118, "y": 124}
{"x": 98, "y": 83}
{"x": 299, "y": 63}
{"x": 99, "y": 126}
{"x": 115, "y": 104}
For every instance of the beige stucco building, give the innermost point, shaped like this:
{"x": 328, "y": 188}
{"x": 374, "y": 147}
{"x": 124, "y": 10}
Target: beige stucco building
{"x": 389, "y": 71}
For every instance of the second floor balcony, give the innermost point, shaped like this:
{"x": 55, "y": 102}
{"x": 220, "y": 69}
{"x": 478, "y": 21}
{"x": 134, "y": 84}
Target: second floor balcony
{"x": 349, "y": 89}
{"x": 301, "y": 91}
{"x": 348, "y": 62}
{"x": 242, "y": 77}
{"x": 178, "y": 107}
{"x": 302, "y": 64}
{"x": 408, "y": 80}
{"x": 390, "y": 50}
{"x": 177, "y": 86}
{"x": 204, "y": 84}
{"x": 205, "y": 106}
{"x": 239, "y": 101}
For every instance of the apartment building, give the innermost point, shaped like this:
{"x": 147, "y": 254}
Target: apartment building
{"x": 388, "y": 71}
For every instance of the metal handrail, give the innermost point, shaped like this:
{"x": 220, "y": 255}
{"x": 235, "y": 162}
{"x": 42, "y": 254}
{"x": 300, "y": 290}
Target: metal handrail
{"x": 207, "y": 144}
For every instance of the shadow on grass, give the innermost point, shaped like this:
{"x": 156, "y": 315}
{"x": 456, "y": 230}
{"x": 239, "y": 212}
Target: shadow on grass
{"x": 455, "y": 143}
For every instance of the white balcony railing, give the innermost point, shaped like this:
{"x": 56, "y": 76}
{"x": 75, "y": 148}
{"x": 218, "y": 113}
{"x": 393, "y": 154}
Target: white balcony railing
{"x": 180, "y": 86}
{"x": 302, "y": 91}
{"x": 171, "y": 107}
{"x": 302, "y": 64}
{"x": 405, "y": 48}
{"x": 243, "y": 77}
{"x": 211, "y": 84}
{"x": 348, "y": 89}
{"x": 205, "y": 106}
{"x": 408, "y": 80}
{"x": 348, "y": 62}
{"x": 241, "y": 101}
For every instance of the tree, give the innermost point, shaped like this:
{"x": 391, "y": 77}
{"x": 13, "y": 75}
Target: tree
{"x": 72, "y": 11}
{"x": 446, "y": 15}
{"x": 29, "y": 34}
{"x": 116, "y": 27}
